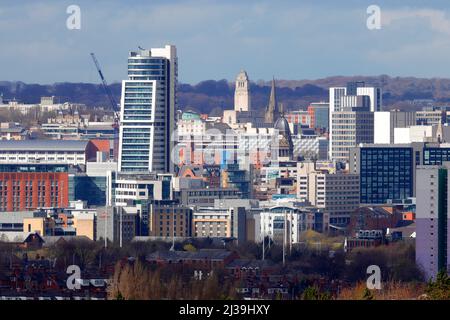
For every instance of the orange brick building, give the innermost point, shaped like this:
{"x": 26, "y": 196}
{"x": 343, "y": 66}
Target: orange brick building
{"x": 31, "y": 190}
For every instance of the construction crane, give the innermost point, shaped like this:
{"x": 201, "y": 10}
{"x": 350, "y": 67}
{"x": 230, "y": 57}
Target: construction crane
{"x": 112, "y": 101}
{"x": 113, "y": 105}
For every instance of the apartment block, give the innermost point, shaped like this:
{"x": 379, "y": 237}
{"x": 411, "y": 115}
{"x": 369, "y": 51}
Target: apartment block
{"x": 432, "y": 219}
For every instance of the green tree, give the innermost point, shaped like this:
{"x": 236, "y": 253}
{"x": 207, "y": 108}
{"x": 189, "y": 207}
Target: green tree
{"x": 367, "y": 295}
{"x": 439, "y": 289}
{"x": 189, "y": 247}
{"x": 313, "y": 293}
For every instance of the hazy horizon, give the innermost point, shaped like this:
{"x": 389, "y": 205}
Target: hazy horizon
{"x": 257, "y": 81}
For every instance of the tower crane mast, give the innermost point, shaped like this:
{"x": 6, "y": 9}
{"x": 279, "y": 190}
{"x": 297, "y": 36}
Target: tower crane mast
{"x": 112, "y": 101}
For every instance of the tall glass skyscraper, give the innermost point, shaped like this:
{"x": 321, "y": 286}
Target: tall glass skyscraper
{"x": 148, "y": 103}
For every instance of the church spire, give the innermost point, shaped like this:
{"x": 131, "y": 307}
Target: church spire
{"x": 439, "y": 133}
{"x": 272, "y": 111}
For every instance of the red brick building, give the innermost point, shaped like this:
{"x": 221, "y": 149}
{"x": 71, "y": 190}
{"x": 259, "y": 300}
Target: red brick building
{"x": 34, "y": 173}
{"x": 27, "y": 187}
{"x": 31, "y": 190}
{"x": 374, "y": 218}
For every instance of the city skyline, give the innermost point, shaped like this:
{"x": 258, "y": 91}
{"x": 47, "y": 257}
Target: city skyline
{"x": 238, "y": 36}
{"x": 334, "y": 189}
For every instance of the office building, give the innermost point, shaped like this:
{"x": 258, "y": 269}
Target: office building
{"x": 299, "y": 119}
{"x": 214, "y": 143}
{"x": 319, "y": 113}
{"x": 415, "y": 133}
{"x": 169, "y": 219}
{"x": 351, "y": 117}
{"x": 362, "y": 102}
{"x": 354, "y": 89}
{"x": 204, "y": 197}
{"x": 148, "y": 105}
{"x": 232, "y": 176}
{"x": 117, "y": 224}
{"x": 386, "y": 122}
{"x": 430, "y": 117}
{"x": 130, "y": 189}
{"x": 349, "y": 129}
{"x": 71, "y": 152}
{"x": 18, "y": 224}
{"x": 282, "y": 224}
{"x": 254, "y": 145}
{"x": 310, "y": 147}
{"x": 353, "y": 86}
{"x": 335, "y": 95}
{"x": 337, "y": 194}
{"x": 83, "y": 219}
{"x": 31, "y": 186}
{"x": 220, "y": 223}
{"x": 386, "y": 171}
{"x": 374, "y": 94}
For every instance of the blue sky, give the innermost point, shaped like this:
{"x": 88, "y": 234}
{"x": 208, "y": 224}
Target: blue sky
{"x": 215, "y": 39}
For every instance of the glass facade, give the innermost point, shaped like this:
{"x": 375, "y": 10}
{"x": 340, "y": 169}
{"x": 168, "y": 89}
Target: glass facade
{"x": 90, "y": 189}
{"x": 144, "y": 112}
{"x": 435, "y": 156}
{"x": 321, "y": 119}
{"x": 386, "y": 173}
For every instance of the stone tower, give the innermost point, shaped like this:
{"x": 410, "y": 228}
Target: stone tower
{"x": 242, "y": 92}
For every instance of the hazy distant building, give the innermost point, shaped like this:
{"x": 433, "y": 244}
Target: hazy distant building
{"x": 352, "y": 87}
{"x": 319, "y": 115}
{"x": 242, "y": 101}
{"x": 430, "y": 117}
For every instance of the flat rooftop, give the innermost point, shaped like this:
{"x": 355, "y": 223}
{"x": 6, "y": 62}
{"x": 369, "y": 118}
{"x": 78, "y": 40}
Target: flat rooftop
{"x": 43, "y": 145}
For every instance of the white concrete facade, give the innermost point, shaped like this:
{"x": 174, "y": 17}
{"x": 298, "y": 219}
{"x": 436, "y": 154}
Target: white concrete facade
{"x": 375, "y": 95}
{"x": 382, "y": 127}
